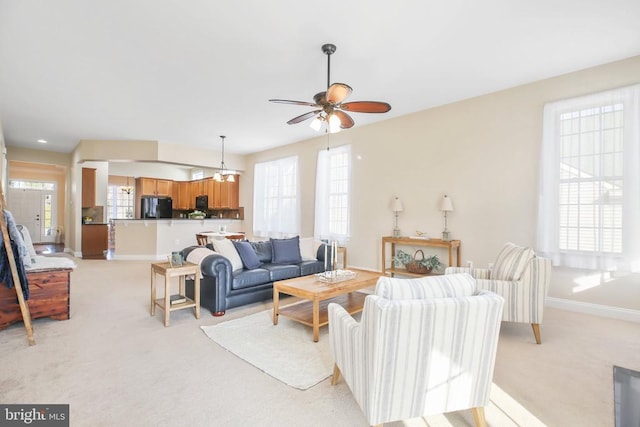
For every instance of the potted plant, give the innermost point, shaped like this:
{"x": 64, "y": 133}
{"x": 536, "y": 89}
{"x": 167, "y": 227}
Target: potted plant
{"x": 197, "y": 215}
{"x": 423, "y": 265}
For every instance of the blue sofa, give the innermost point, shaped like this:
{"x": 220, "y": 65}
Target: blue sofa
{"x": 222, "y": 288}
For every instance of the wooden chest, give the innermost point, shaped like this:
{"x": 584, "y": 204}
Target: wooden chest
{"x": 48, "y": 297}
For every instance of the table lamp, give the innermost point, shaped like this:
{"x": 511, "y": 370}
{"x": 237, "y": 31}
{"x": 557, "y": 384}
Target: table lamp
{"x": 396, "y": 207}
{"x": 446, "y": 206}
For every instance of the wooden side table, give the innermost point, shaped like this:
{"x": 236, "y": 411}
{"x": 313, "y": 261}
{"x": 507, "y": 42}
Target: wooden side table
{"x": 450, "y": 245}
{"x": 165, "y": 269}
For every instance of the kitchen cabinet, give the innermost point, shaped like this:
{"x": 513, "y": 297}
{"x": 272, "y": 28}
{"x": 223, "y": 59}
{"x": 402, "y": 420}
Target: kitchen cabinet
{"x": 182, "y": 195}
{"x": 230, "y": 194}
{"x": 88, "y": 187}
{"x": 224, "y": 195}
{"x": 213, "y": 191}
{"x": 154, "y": 187}
{"x": 94, "y": 241}
{"x": 197, "y": 189}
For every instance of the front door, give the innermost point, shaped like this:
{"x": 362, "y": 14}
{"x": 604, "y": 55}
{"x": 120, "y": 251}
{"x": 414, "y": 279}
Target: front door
{"x": 35, "y": 209}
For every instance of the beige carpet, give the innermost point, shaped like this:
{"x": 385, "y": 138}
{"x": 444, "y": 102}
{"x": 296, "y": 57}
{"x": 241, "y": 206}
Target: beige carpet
{"x": 118, "y": 366}
{"x": 285, "y": 351}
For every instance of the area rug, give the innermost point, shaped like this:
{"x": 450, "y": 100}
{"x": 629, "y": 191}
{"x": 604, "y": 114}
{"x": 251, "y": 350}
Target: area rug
{"x": 285, "y": 351}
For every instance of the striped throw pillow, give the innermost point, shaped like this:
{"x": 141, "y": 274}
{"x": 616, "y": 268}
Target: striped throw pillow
{"x": 511, "y": 262}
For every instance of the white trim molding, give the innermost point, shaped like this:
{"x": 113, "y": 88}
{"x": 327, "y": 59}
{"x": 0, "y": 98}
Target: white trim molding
{"x": 595, "y": 309}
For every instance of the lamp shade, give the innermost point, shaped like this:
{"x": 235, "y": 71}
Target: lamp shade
{"x": 316, "y": 124}
{"x": 445, "y": 204}
{"x": 396, "y": 205}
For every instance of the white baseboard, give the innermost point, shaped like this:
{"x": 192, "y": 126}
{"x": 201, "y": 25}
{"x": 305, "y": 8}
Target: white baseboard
{"x": 595, "y": 309}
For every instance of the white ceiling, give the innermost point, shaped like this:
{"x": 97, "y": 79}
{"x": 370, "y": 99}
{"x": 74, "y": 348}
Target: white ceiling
{"x": 188, "y": 71}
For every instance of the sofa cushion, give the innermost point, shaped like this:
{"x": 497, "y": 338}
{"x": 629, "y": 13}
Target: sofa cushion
{"x": 249, "y": 278}
{"x": 511, "y": 262}
{"x": 282, "y": 272}
{"x": 286, "y": 251}
{"x": 225, "y": 248}
{"x": 263, "y": 250}
{"x": 311, "y": 267}
{"x": 248, "y": 256}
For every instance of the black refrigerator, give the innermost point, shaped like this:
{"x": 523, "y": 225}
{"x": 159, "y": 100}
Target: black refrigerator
{"x": 156, "y": 207}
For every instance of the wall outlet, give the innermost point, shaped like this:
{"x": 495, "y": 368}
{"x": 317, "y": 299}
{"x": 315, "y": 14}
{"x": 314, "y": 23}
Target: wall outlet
{"x": 176, "y": 242}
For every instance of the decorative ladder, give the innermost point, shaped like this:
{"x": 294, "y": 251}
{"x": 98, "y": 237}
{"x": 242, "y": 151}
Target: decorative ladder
{"x": 24, "y": 308}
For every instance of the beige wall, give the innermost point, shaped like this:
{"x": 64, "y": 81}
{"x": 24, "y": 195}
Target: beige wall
{"x": 483, "y": 152}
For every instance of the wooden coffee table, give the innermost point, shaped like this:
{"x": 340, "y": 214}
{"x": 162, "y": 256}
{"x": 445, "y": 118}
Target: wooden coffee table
{"x": 319, "y": 294}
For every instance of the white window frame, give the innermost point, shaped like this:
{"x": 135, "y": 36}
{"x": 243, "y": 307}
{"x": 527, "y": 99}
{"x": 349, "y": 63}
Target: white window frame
{"x": 276, "y": 198}
{"x": 333, "y": 195}
{"x": 120, "y": 204}
{"x": 607, "y": 205}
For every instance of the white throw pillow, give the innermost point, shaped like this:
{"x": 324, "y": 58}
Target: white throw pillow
{"x": 226, "y": 248}
{"x": 308, "y": 249}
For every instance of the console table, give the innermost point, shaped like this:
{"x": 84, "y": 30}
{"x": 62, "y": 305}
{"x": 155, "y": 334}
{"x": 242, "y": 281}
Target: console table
{"x": 450, "y": 245}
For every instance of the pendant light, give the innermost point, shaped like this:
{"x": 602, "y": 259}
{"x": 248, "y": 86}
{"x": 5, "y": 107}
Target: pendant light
{"x": 222, "y": 174}
{"x": 127, "y": 188}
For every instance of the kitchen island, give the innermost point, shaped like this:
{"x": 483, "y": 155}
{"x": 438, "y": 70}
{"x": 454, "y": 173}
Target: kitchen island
{"x": 155, "y": 239}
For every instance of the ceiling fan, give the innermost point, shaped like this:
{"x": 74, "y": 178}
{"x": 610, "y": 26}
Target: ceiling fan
{"x": 329, "y": 105}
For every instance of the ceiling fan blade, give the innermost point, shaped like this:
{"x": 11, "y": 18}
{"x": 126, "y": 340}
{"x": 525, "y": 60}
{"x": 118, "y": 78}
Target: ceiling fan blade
{"x": 303, "y": 117}
{"x": 286, "y": 101}
{"x": 346, "y": 121}
{"x": 366, "y": 107}
{"x": 338, "y": 92}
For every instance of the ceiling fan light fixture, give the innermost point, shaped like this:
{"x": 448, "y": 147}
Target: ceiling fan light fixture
{"x": 334, "y": 123}
{"x": 329, "y": 103}
{"x": 316, "y": 124}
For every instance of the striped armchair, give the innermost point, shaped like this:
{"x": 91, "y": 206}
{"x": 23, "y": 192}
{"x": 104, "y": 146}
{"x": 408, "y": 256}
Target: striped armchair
{"x": 522, "y": 278}
{"x": 423, "y": 346}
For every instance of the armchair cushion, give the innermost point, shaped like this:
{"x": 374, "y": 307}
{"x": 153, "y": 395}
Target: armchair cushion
{"x": 511, "y": 262}
{"x": 453, "y": 285}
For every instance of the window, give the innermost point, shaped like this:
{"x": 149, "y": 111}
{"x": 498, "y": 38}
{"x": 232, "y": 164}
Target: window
{"x": 333, "y": 186}
{"x": 590, "y": 184}
{"x": 33, "y": 185}
{"x": 275, "y": 198}
{"x": 197, "y": 174}
{"x": 120, "y": 201}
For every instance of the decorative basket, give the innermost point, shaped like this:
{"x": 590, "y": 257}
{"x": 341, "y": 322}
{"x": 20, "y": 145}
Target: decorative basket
{"x": 415, "y": 266}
